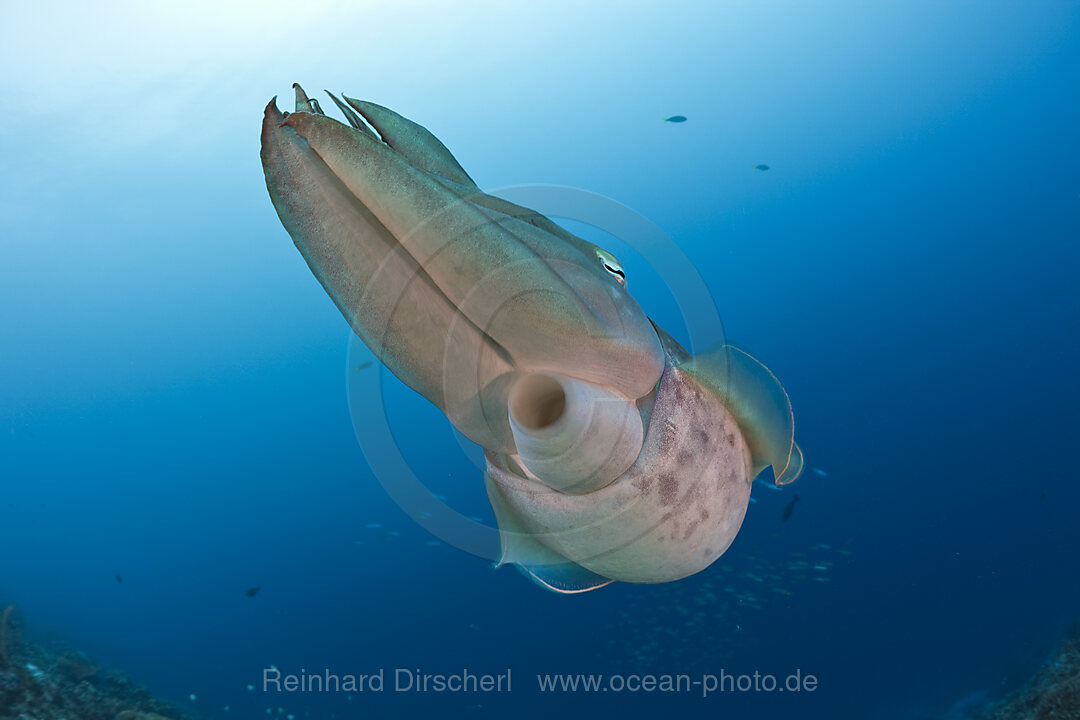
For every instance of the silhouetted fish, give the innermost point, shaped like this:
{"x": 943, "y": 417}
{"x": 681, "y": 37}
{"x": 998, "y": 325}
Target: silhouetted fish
{"x": 252, "y": 592}
{"x": 789, "y": 509}
{"x": 676, "y": 118}
{"x": 119, "y": 579}
{"x": 364, "y": 365}
{"x": 761, "y": 167}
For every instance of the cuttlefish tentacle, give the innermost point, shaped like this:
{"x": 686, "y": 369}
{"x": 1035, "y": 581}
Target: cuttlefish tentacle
{"x": 350, "y": 114}
{"x": 612, "y": 454}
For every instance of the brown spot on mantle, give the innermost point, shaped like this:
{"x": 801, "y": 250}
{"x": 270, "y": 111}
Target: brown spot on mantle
{"x": 669, "y": 489}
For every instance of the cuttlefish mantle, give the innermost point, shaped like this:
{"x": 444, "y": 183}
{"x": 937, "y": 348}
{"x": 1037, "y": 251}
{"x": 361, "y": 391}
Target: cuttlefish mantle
{"x": 612, "y": 454}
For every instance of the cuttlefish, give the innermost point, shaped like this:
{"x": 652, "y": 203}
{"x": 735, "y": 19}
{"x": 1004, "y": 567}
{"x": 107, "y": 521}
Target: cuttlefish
{"x": 612, "y": 453}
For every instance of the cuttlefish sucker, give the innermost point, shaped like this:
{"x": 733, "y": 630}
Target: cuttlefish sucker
{"x": 673, "y": 512}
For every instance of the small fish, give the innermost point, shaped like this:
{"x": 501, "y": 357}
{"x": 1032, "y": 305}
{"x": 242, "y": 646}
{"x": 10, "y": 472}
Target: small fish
{"x": 761, "y": 167}
{"x": 193, "y": 697}
{"x": 250, "y": 688}
{"x": 753, "y": 499}
{"x": 119, "y": 579}
{"x": 789, "y": 509}
{"x": 252, "y": 592}
{"x": 373, "y": 526}
{"x": 821, "y": 472}
{"x": 676, "y": 119}
{"x": 364, "y": 365}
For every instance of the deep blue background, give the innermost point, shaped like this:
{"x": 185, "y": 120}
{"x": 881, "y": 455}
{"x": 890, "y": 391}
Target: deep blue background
{"x": 172, "y": 379}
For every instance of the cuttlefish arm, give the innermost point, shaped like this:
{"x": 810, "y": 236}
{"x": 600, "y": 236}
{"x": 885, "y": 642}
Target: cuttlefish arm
{"x": 448, "y": 296}
{"x": 414, "y": 142}
{"x": 612, "y": 454}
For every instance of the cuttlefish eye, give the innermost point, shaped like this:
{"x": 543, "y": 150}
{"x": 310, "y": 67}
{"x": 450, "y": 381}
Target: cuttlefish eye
{"x": 612, "y": 265}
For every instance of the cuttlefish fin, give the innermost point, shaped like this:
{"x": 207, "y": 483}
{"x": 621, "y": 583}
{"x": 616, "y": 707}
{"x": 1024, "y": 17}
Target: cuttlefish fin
{"x": 536, "y": 561}
{"x": 413, "y": 141}
{"x": 759, "y": 404}
{"x": 795, "y": 467}
{"x": 547, "y": 568}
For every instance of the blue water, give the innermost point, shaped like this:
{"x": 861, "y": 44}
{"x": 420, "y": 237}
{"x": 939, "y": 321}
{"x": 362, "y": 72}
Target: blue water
{"x": 173, "y": 403}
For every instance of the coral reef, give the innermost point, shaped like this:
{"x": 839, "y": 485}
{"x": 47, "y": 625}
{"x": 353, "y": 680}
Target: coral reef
{"x": 7, "y": 632}
{"x": 132, "y": 715}
{"x": 45, "y": 685}
{"x": 1053, "y": 694}
{"x": 75, "y": 666}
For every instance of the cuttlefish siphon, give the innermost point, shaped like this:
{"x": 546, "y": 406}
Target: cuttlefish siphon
{"x": 612, "y": 453}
